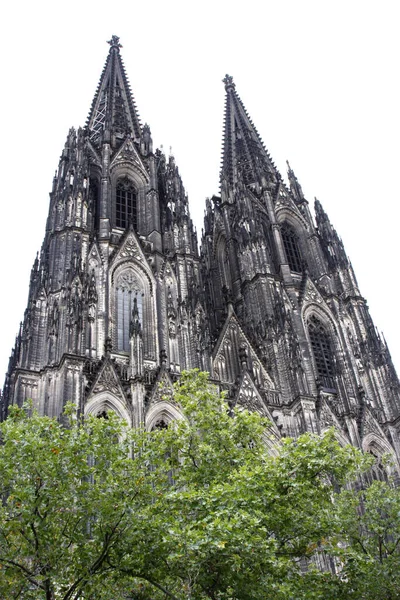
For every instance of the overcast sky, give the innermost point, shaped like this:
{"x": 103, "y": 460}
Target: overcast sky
{"x": 318, "y": 78}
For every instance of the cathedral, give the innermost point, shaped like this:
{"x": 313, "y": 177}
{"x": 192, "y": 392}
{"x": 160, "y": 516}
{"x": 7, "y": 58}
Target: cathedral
{"x": 121, "y": 299}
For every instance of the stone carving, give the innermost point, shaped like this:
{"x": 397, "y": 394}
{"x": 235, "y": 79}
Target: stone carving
{"x": 107, "y": 382}
{"x": 312, "y": 295}
{"x": 130, "y": 249}
{"x": 248, "y": 396}
{"x": 371, "y": 426}
{"x": 127, "y": 280}
{"x": 29, "y": 382}
{"x": 54, "y": 319}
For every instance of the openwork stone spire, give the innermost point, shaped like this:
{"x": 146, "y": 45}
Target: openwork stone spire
{"x": 244, "y": 156}
{"x": 113, "y": 111}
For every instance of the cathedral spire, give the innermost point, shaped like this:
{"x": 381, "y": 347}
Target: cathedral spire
{"x": 244, "y": 155}
{"x": 113, "y": 109}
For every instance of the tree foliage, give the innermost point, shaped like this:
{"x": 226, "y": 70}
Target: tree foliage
{"x": 370, "y": 556}
{"x": 199, "y": 510}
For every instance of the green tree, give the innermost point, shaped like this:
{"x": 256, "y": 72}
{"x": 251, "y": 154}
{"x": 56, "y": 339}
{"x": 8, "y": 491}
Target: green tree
{"x": 198, "y": 510}
{"x": 68, "y": 494}
{"x": 369, "y": 555}
{"x": 239, "y": 522}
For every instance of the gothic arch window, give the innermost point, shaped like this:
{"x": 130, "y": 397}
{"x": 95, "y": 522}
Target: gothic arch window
{"x": 125, "y": 204}
{"x": 162, "y": 414}
{"x": 291, "y": 246}
{"x": 104, "y": 403}
{"x": 322, "y": 351}
{"x": 129, "y": 295}
{"x": 377, "y": 472}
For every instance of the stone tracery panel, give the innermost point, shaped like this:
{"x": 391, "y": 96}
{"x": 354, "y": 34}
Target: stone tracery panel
{"x": 131, "y": 290}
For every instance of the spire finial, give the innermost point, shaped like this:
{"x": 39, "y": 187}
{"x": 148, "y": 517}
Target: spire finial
{"x": 228, "y": 81}
{"x": 114, "y": 42}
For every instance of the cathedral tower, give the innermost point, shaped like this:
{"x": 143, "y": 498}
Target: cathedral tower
{"x": 294, "y": 337}
{"x": 115, "y": 296}
{"x": 121, "y": 300}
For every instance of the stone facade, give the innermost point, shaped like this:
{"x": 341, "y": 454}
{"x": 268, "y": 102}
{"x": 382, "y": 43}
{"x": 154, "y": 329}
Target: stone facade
{"x": 121, "y": 300}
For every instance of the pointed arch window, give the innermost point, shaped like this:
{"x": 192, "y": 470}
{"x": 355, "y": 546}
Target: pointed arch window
{"x": 291, "y": 246}
{"x": 125, "y": 204}
{"x": 127, "y": 289}
{"x": 377, "y": 472}
{"x": 322, "y": 351}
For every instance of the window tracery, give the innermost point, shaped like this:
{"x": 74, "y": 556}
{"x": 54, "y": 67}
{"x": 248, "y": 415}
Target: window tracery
{"x": 102, "y": 414}
{"x": 160, "y": 424}
{"x": 377, "y": 472}
{"x": 127, "y": 289}
{"x": 322, "y": 351}
{"x": 125, "y": 205}
{"x": 291, "y": 246}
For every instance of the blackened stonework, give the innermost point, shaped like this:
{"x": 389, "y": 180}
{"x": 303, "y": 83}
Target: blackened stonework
{"x": 121, "y": 300}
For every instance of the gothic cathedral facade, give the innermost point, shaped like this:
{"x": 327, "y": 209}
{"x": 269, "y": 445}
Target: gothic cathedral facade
{"x": 121, "y": 300}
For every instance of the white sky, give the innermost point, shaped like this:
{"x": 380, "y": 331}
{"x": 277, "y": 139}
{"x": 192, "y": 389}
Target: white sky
{"x": 318, "y": 78}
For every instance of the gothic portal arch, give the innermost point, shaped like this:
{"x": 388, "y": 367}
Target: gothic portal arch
{"x": 162, "y": 412}
{"x": 377, "y": 446}
{"x": 105, "y": 402}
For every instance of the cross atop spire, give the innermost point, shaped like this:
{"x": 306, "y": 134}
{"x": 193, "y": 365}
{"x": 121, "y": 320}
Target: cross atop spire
{"x": 244, "y": 155}
{"x": 114, "y": 42}
{"x": 113, "y": 114}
